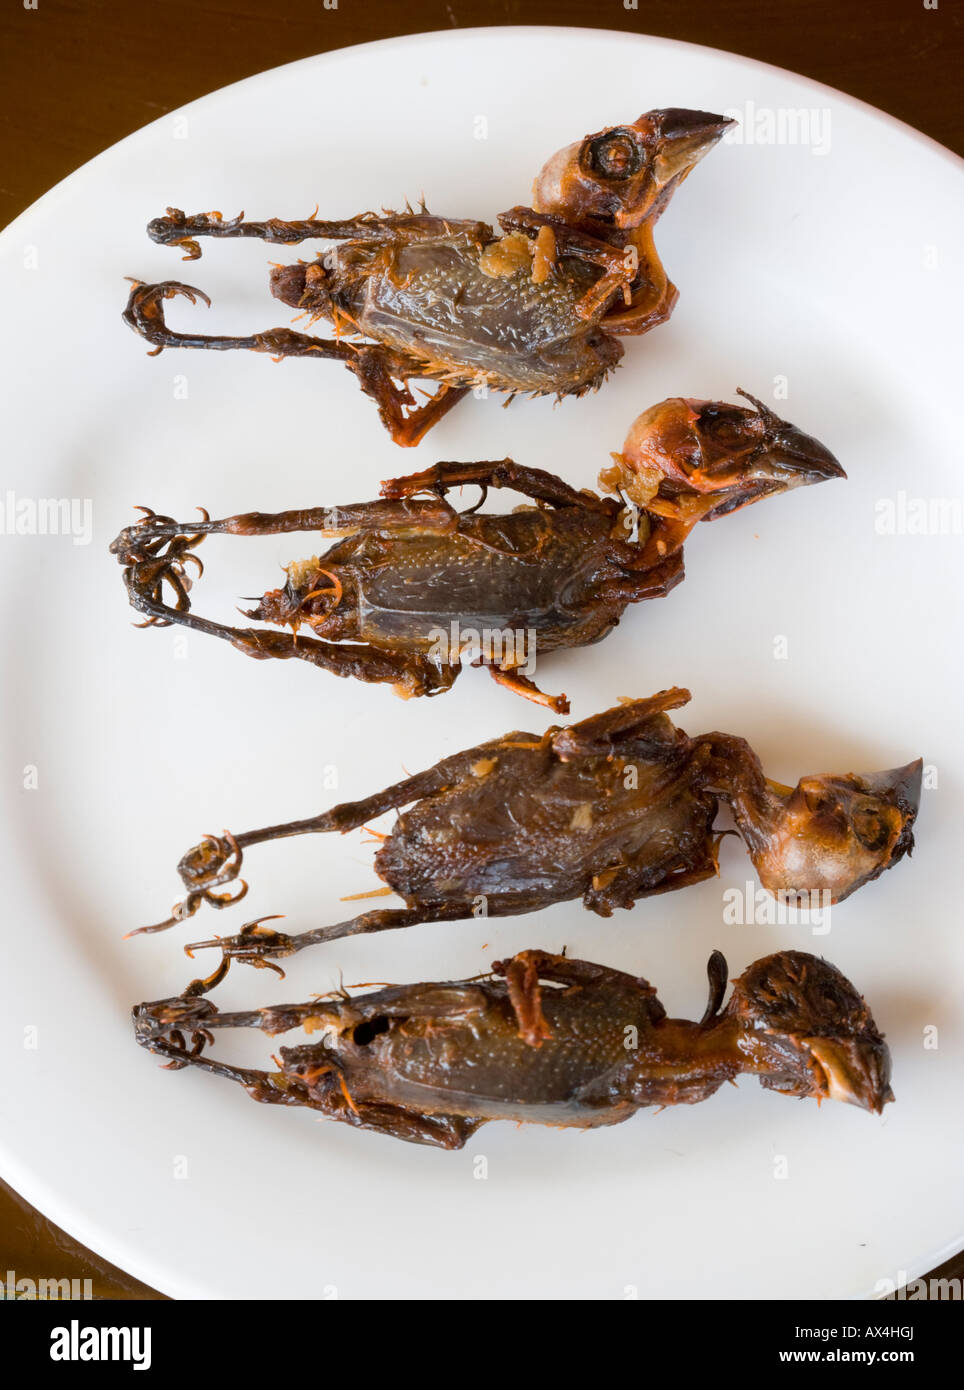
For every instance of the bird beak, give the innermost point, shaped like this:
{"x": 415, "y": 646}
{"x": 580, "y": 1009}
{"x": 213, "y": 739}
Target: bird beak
{"x": 854, "y": 1070}
{"x": 788, "y": 459}
{"x": 900, "y": 786}
{"x": 682, "y": 139}
{"x": 794, "y": 452}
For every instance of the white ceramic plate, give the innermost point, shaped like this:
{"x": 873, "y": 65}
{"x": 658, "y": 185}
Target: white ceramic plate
{"x": 834, "y": 270}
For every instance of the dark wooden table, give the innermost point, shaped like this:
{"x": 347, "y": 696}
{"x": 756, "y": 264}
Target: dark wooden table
{"x": 78, "y": 75}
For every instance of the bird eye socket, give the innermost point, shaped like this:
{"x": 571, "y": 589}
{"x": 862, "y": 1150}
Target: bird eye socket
{"x": 870, "y": 827}
{"x": 817, "y": 800}
{"x": 726, "y": 426}
{"x": 615, "y": 155}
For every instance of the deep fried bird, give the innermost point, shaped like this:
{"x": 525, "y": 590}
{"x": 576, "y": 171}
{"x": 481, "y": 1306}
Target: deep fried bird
{"x": 414, "y": 589}
{"x": 612, "y": 809}
{"x": 543, "y": 1040}
{"x": 414, "y": 297}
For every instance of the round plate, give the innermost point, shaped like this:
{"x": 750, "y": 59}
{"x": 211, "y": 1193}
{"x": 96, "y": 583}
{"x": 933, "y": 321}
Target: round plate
{"x": 817, "y": 258}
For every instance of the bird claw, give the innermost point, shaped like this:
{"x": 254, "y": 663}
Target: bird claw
{"x": 206, "y": 866}
{"x": 215, "y": 860}
{"x": 153, "y": 559}
{"x": 145, "y": 299}
{"x": 145, "y": 312}
{"x": 175, "y": 229}
{"x": 254, "y": 945}
{"x": 168, "y": 1020}
{"x": 176, "y": 1040}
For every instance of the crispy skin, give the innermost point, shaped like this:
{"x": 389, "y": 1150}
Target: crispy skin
{"x": 522, "y": 824}
{"x": 532, "y": 570}
{"x": 476, "y": 1064}
{"x": 431, "y": 300}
